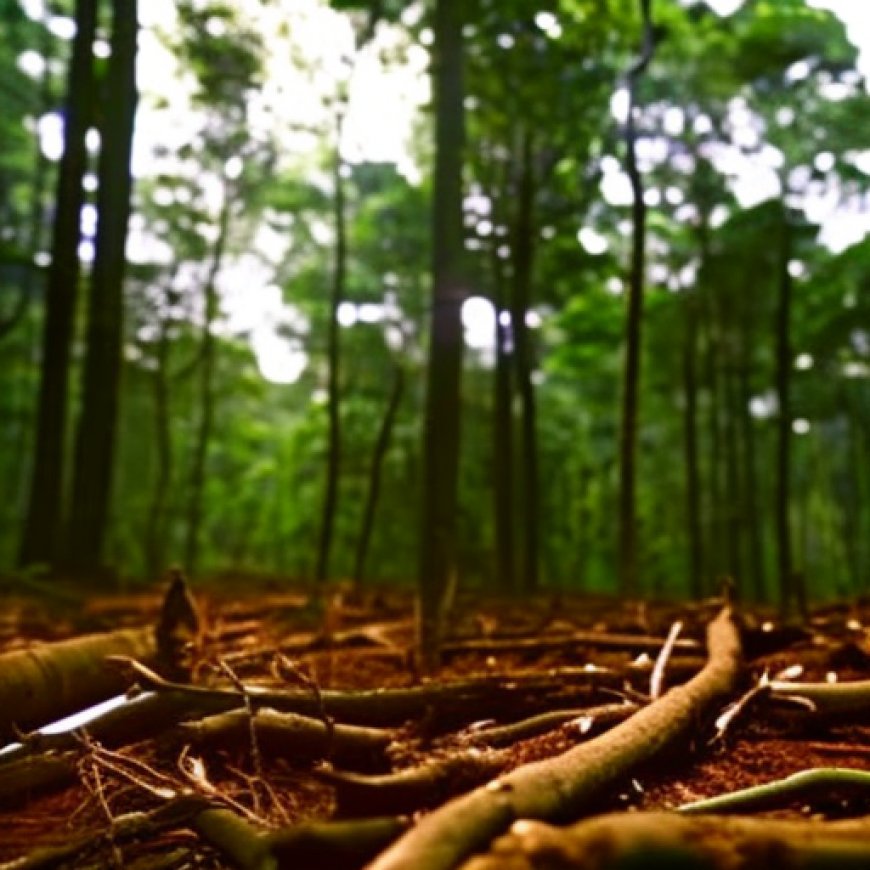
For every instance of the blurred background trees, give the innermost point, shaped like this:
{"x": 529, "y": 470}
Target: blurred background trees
{"x": 190, "y": 402}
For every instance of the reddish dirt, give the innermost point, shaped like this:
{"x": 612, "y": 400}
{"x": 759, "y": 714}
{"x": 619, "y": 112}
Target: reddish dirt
{"x": 244, "y": 630}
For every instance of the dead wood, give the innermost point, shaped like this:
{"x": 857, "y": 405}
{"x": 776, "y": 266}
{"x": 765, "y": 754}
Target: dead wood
{"x": 129, "y": 826}
{"x": 802, "y": 785}
{"x": 589, "y": 720}
{"x": 21, "y": 780}
{"x": 300, "y": 739}
{"x": 459, "y": 767}
{"x": 414, "y": 788}
{"x": 443, "y": 704}
{"x": 664, "y": 840}
{"x": 562, "y": 787}
{"x": 632, "y": 643}
{"x": 50, "y": 681}
{"x": 826, "y": 699}
{"x": 333, "y": 845}
{"x": 178, "y": 629}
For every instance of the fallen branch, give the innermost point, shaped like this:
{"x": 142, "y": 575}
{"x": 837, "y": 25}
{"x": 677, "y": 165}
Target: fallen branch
{"x": 632, "y": 643}
{"x": 800, "y": 785}
{"x": 445, "y": 704}
{"x": 589, "y": 720}
{"x": 621, "y": 841}
{"x": 172, "y": 814}
{"x": 564, "y": 786}
{"x": 827, "y": 699}
{"x": 333, "y": 845}
{"x": 415, "y": 788}
{"x": 291, "y": 736}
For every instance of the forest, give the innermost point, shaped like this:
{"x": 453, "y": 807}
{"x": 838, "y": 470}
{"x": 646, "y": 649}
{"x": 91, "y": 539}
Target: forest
{"x": 331, "y": 311}
{"x": 664, "y": 379}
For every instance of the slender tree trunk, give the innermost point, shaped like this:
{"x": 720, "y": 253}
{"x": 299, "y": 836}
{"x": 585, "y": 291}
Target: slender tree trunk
{"x": 733, "y": 494}
{"x": 206, "y": 394}
{"x": 41, "y": 533}
{"x": 783, "y": 424}
{"x": 155, "y": 531}
{"x": 333, "y": 402}
{"x": 754, "y": 521}
{"x": 442, "y": 421}
{"x": 523, "y": 251}
{"x": 628, "y": 538}
{"x": 503, "y": 448}
{"x": 96, "y": 435}
{"x": 382, "y": 445}
{"x": 852, "y": 508}
{"x": 690, "y": 446}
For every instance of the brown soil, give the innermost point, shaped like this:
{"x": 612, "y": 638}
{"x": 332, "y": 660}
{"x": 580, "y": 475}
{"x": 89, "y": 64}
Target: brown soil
{"x": 364, "y": 641}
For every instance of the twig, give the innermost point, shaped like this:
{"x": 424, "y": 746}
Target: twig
{"x": 657, "y": 676}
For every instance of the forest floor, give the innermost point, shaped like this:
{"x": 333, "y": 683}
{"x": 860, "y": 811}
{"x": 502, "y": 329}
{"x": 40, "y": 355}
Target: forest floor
{"x": 166, "y": 790}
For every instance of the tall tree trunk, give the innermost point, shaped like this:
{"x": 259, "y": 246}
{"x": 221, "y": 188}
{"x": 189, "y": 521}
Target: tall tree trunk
{"x": 41, "y": 533}
{"x": 382, "y": 445}
{"x": 96, "y": 435}
{"x": 155, "y": 529}
{"x": 690, "y": 447}
{"x": 733, "y": 494}
{"x": 712, "y": 368}
{"x": 442, "y": 421}
{"x": 333, "y": 401}
{"x": 206, "y": 393}
{"x": 783, "y": 424}
{"x": 523, "y": 253}
{"x": 628, "y": 538}
{"x": 753, "y": 518}
{"x": 503, "y": 447}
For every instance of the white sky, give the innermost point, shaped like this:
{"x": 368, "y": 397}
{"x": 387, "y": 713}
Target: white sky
{"x": 384, "y": 103}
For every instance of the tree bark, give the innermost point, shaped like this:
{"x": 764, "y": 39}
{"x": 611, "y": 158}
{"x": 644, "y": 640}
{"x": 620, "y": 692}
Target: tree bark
{"x": 97, "y": 427}
{"x": 621, "y": 841}
{"x": 628, "y": 538}
{"x": 754, "y": 521}
{"x": 690, "y": 446}
{"x": 382, "y": 445}
{"x": 155, "y": 531}
{"x": 783, "y": 424}
{"x": 503, "y": 440}
{"x": 41, "y": 533}
{"x": 523, "y": 253}
{"x": 333, "y": 401}
{"x": 206, "y": 394}
{"x": 444, "y": 375}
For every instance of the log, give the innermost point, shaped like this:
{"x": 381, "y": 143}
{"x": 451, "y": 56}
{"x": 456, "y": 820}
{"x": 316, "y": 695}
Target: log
{"x": 624, "y": 841}
{"x": 53, "y": 680}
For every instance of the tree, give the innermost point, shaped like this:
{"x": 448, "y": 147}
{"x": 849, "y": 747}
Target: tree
{"x": 97, "y": 426}
{"x": 628, "y": 555}
{"x": 41, "y": 535}
{"x": 442, "y": 416}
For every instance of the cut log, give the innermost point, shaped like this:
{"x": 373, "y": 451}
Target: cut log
{"x": 54, "y": 680}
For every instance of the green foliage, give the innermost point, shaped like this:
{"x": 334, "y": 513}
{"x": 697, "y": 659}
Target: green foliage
{"x": 545, "y": 73}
